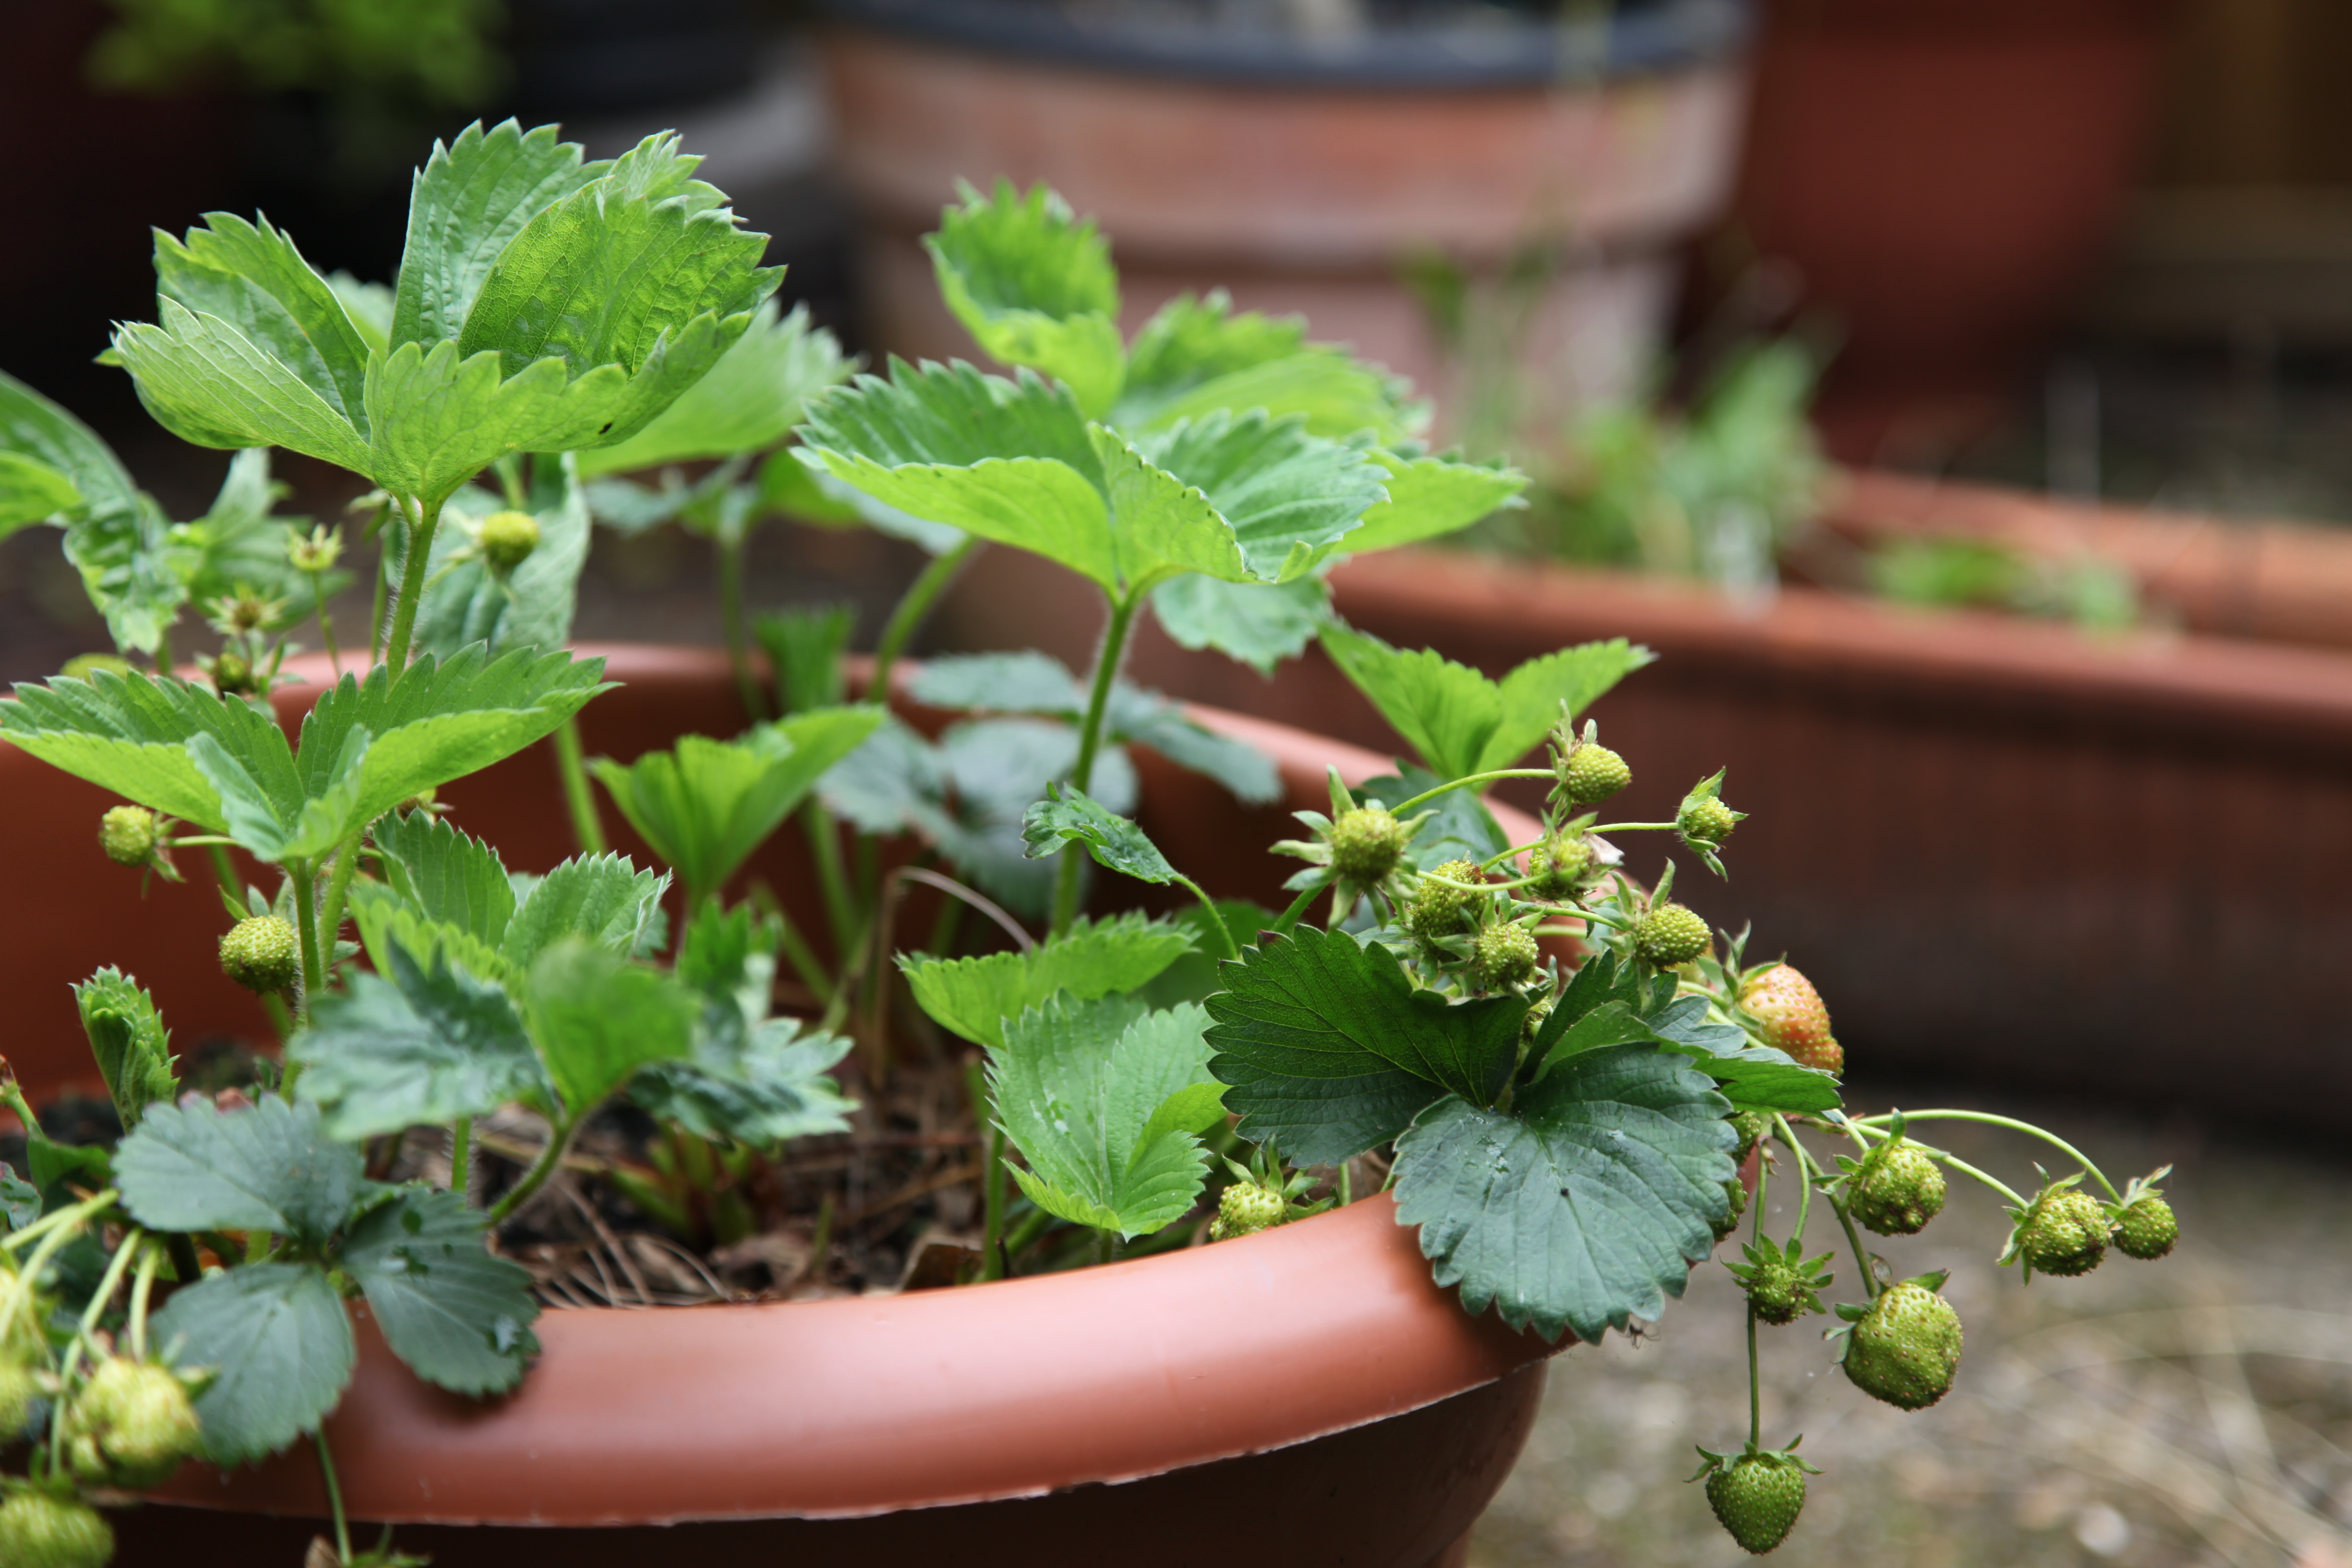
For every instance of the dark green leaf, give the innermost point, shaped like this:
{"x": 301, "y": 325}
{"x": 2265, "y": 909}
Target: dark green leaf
{"x": 422, "y": 1048}
{"x": 1260, "y": 623}
{"x": 746, "y": 403}
{"x": 128, "y": 1037}
{"x": 597, "y": 1020}
{"x": 1068, "y": 812}
{"x": 601, "y": 898}
{"x": 447, "y": 876}
{"x": 1582, "y": 1208}
{"x": 469, "y": 201}
{"x": 456, "y": 1315}
{"x": 758, "y": 1084}
{"x": 1753, "y": 1078}
{"x": 974, "y": 996}
{"x": 277, "y": 1342}
{"x": 270, "y": 1166}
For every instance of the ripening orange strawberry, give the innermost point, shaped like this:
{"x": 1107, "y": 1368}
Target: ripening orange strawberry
{"x": 1793, "y": 1017}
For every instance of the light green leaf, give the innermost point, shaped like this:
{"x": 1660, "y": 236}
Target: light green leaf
{"x": 972, "y": 996}
{"x": 279, "y": 1344}
{"x": 268, "y": 1166}
{"x": 33, "y": 427}
{"x": 440, "y": 418}
{"x": 1289, "y": 497}
{"x": 1307, "y": 1023}
{"x": 1195, "y": 356}
{"x": 758, "y": 1085}
{"x": 1027, "y": 681}
{"x": 470, "y": 200}
{"x": 446, "y": 874}
{"x": 1146, "y": 719}
{"x": 881, "y": 786}
{"x": 1195, "y": 977}
{"x": 129, "y": 734}
{"x": 32, "y": 492}
{"x": 1260, "y": 623}
{"x": 238, "y": 545}
{"x": 1582, "y": 1208}
{"x": 597, "y": 1018}
{"x": 210, "y": 385}
{"x": 1085, "y": 1089}
{"x": 601, "y": 899}
{"x": 135, "y": 574}
{"x": 1432, "y": 496}
{"x": 420, "y": 1046}
{"x": 1533, "y": 693}
{"x": 370, "y": 307}
{"x": 751, "y": 398}
{"x": 252, "y": 278}
{"x": 458, "y": 1316}
{"x": 127, "y": 1036}
{"x": 1069, "y": 813}
{"x": 531, "y": 606}
{"x": 317, "y": 825}
{"x": 1035, "y": 286}
{"x": 704, "y": 805}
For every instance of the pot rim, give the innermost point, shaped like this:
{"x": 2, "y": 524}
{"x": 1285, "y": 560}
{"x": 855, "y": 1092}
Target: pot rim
{"x": 1638, "y": 39}
{"x": 860, "y": 1405}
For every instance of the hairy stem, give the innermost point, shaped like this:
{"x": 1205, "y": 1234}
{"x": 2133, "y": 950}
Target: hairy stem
{"x": 461, "y": 1157}
{"x": 841, "y": 903}
{"x": 306, "y": 926}
{"x": 913, "y": 607}
{"x": 412, "y": 585}
{"x": 1755, "y": 1384}
{"x": 1430, "y": 794}
{"x": 1216, "y": 920}
{"x": 579, "y": 798}
{"x": 2014, "y": 1125}
{"x": 1297, "y": 909}
{"x": 559, "y": 1137}
{"x": 334, "y": 1497}
{"x": 991, "y": 1225}
{"x": 1090, "y": 738}
{"x": 1954, "y": 1160}
{"x": 338, "y": 888}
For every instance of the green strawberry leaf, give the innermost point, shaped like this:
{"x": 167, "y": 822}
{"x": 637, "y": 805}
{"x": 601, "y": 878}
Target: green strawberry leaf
{"x": 597, "y": 1018}
{"x": 238, "y": 545}
{"x": 1752, "y": 1077}
{"x": 1068, "y": 813}
{"x": 1146, "y": 719}
{"x": 33, "y": 427}
{"x": 134, "y": 572}
{"x": 747, "y": 403}
{"x": 469, "y": 201}
{"x": 1317, "y": 1015}
{"x": 270, "y": 1166}
{"x": 32, "y": 492}
{"x": 370, "y": 306}
{"x": 1195, "y": 976}
{"x": 456, "y": 1315}
{"x": 1287, "y": 496}
{"x": 1034, "y": 286}
{"x": 254, "y": 280}
{"x": 279, "y": 1344}
{"x": 1429, "y": 498}
{"x": 1585, "y": 1206}
{"x": 210, "y": 385}
{"x": 129, "y": 734}
{"x": 441, "y": 417}
{"x": 1260, "y": 623}
{"x": 322, "y": 822}
{"x": 1027, "y": 681}
{"x": 600, "y": 899}
{"x": 531, "y": 606}
{"x": 892, "y": 776}
{"x": 1460, "y": 721}
{"x": 972, "y": 997}
{"x": 804, "y": 645}
{"x": 128, "y": 1039}
{"x": 1096, "y": 1096}
{"x": 1196, "y": 356}
{"x": 421, "y": 1045}
{"x": 705, "y": 806}
{"x": 446, "y": 874}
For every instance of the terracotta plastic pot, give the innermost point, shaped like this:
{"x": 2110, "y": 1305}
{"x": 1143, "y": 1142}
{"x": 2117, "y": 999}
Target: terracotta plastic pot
{"x": 1943, "y": 176}
{"x": 2005, "y": 850}
{"x": 1302, "y": 176}
{"x": 1308, "y": 1391}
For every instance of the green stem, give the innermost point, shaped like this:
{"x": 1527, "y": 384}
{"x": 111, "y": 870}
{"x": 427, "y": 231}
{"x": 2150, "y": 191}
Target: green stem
{"x": 1216, "y": 920}
{"x": 306, "y": 925}
{"x": 1954, "y": 1160}
{"x": 2014, "y": 1125}
{"x": 1804, "y": 1188}
{"x": 732, "y": 539}
{"x": 1634, "y": 827}
{"x": 1297, "y": 909}
{"x": 461, "y": 1156}
{"x": 412, "y": 585}
{"x": 572, "y": 766}
{"x": 833, "y": 879}
{"x": 49, "y": 1225}
{"x": 1813, "y": 1172}
{"x": 991, "y": 1225}
{"x": 1514, "y": 850}
{"x": 124, "y": 1255}
{"x": 334, "y": 1495}
{"x": 1429, "y": 794}
{"x": 803, "y": 959}
{"x": 143, "y": 1291}
{"x": 558, "y": 1137}
{"x": 1755, "y": 1384}
{"x": 913, "y": 607}
{"x": 339, "y": 888}
{"x": 1032, "y": 1225}
{"x": 1090, "y": 736}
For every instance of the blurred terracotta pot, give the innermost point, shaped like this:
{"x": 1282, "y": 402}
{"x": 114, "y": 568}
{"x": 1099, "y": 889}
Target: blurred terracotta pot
{"x": 1308, "y": 1390}
{"x": 1302, "y": 174}
{"x": 1943, "y": 175}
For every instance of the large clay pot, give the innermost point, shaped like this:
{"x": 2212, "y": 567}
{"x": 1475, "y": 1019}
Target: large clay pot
{"x": 1309, "y": 1390}
{"x": 1301, "y": 175}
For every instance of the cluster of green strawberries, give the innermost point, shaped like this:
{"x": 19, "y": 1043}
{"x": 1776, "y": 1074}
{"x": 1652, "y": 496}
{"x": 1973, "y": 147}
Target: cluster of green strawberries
{"x": 1476, "y": 926}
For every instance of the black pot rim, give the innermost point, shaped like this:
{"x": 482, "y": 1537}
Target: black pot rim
{"x": 1640, "y": 38}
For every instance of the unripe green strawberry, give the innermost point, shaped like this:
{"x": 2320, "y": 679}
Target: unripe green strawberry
{"x": 1367, "y": 844}
{"x": 1592, "y": 773}
{"x": 1554, "y": 865}
{"x": 1793, "y": 1019}
{"x": 507, "y": 538}
{"x": 261, "y": 954}
{"x": 1750, "y": 1127}
{"x": 18, "y": 1388}
{"x": 1905, "y": 1348}
{"x": 1707, "y": 820}
{"x": 1503, "y": 955}
{"x": 130, "y": 1426}
{"x": 2065, "y": 1232}
{"x": 1896, "y": 1189}
{"x": 1756, "y": 1496}
{"x": 41, "y": 1530}
{"x": 1670, "y": 935}
{"x": 128, "y": 835}
{"x": 1775, "y": 1293}
{"x": 1734, "y": 1199}
{"x": 232, "y": 676}
{"x": 1246, "y": 1208}
{"x": 2147, "y": 1229}
{"x": 1439, "y": 911}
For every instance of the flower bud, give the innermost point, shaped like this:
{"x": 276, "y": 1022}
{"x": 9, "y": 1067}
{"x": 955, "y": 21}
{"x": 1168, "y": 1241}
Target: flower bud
{"x": 506, "y": 540}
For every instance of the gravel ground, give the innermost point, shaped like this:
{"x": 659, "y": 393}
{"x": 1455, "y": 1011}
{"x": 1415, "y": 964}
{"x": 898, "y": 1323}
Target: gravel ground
{"x": 2193, "y": 1411}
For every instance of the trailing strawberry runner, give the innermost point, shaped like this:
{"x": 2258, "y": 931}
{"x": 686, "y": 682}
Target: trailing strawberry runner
{"x": 1556, "y": 1068}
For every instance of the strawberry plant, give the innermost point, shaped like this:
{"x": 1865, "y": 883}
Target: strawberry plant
{"x": 1554, "y": 1066}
